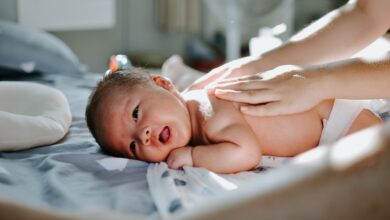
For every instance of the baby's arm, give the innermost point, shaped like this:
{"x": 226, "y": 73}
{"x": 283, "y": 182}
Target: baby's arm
{"x": 236, "y": 149}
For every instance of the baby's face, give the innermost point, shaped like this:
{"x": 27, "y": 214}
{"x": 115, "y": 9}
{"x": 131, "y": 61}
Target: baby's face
{"x": 146, "y": 123}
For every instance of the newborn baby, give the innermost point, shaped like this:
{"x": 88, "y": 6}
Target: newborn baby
{"x": 136, "y": 115}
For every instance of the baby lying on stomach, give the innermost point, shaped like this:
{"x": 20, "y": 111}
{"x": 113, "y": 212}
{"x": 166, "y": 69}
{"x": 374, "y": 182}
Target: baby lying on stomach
{"x": 136, "y": 115}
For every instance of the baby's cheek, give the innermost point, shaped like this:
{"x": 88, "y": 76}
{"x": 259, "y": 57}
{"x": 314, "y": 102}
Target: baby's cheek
{"x": 151, "y": 154}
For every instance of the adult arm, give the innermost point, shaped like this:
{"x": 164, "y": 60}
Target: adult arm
{"x": 301, "y": 89}
{"x": 337, "y": 35}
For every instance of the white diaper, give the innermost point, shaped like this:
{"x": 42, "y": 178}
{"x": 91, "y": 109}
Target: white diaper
{"x": 343, "y": 114}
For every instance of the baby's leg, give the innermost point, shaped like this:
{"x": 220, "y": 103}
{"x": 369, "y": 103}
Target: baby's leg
{"x": 180, "y": 74}
{"x": 364, "y": 120}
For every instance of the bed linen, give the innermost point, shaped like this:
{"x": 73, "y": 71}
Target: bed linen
{"x": 75, "y": 178}
{"x": 70, "y": 176}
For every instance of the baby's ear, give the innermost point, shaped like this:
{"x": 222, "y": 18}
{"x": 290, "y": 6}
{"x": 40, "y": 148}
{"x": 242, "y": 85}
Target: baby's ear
{"x": 162, "y": 82}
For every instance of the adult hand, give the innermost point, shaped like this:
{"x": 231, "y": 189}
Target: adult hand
{"x": 240, "y": 67}
{"x": 284, "y": 90}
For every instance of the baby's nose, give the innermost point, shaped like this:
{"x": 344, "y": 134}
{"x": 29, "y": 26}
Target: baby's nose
{"x": 145, "y": 136}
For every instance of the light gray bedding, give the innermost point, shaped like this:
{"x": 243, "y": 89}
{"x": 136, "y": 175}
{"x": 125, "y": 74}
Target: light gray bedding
{"x": 66, "y": 176}
{"x": 69, "y": 176}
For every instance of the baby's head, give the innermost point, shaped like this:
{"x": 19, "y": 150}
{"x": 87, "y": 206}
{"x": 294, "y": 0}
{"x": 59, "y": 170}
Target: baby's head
{"x": 136, "y": 115}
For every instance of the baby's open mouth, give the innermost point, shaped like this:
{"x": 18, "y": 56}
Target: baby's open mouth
{"x": 164, "y": 135}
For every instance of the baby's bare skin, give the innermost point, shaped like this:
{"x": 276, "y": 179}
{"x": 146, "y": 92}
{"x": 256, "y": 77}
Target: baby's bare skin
{"x": 153, "y": 122}
{"x": 228, "y": 141}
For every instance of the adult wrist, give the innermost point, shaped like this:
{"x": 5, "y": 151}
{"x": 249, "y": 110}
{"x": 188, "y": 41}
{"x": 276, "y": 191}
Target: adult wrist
{"x": 320, "y": 83}
{"x": 260, "y": 64}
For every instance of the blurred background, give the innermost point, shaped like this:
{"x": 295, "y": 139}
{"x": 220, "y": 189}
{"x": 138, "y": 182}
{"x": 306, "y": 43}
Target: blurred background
{"x": 205, "y": 33}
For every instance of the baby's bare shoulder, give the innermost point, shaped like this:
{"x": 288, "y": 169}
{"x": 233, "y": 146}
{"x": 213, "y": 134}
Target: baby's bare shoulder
{"x": 226, "y": 116}
{"x": 219, "y": 117}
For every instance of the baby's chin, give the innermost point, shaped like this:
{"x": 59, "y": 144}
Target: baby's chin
{"x": 159, "y": 158}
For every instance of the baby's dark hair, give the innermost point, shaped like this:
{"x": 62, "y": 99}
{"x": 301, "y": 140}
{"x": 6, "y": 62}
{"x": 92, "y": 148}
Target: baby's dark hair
{"x": 116, "y": 81}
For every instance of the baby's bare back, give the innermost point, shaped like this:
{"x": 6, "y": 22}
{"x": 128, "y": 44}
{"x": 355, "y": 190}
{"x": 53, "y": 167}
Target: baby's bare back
{"x": 286, "y": 135}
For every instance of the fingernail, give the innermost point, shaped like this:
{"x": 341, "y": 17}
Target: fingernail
{"x": 219, "y": 92}
{"x": 210, "y": 90}
{"x": 244, "y": 108}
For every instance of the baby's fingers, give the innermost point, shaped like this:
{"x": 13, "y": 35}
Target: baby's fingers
{"x": 174, "y": 163}
{"x": 257, "y": 96}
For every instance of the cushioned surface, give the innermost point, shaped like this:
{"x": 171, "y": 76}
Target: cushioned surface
{"x": 31, "y": 115}
{"x": 69, "y": 176}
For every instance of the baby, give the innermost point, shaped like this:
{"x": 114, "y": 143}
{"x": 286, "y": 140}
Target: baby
{"x": 140, "y": 116}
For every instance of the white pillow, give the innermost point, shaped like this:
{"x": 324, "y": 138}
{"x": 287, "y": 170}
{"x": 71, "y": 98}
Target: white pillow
{"x": 31, "y": 115}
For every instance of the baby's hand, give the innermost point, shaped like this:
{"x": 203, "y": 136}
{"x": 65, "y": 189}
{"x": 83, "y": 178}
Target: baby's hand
{"x": 180, "y": 157}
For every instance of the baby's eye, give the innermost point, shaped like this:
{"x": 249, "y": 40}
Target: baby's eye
{"x": 135, "y": 113}
{"x": 133, "y": 145}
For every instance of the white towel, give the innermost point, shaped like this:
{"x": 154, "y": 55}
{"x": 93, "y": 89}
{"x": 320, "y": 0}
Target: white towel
{"x": 174, "y": 191}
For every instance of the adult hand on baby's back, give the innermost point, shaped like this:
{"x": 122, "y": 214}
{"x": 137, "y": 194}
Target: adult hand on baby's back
{"x": 236, "y": 68}
{"x": 283, "y": 90}
{"x": 239, "y": 67}
{"x": 180, "y": 157}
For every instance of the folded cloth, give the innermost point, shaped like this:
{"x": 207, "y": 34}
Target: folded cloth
{"x": 177, "y": 190}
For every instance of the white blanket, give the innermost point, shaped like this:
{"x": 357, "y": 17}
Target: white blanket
{"x": 174, "y": 191}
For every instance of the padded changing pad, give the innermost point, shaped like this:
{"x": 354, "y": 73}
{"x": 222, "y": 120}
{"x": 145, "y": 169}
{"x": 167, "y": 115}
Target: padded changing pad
{"x": 31, "y": 115}
{"x": 72, "y": 176}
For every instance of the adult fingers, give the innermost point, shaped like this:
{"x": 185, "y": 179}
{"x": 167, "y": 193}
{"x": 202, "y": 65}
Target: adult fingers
{"x": 219, "y": 71}
{"x": 238, "y": 79}
{"x": 243, "y": 82}
{"x": 247, "y": 96}
{"x": 240, "y": 70}
{"x": 269, "y": 109}
{"x": 247, "y": 82}
{"x": 208, "y": 79}
{"x": 243, "y": 85}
